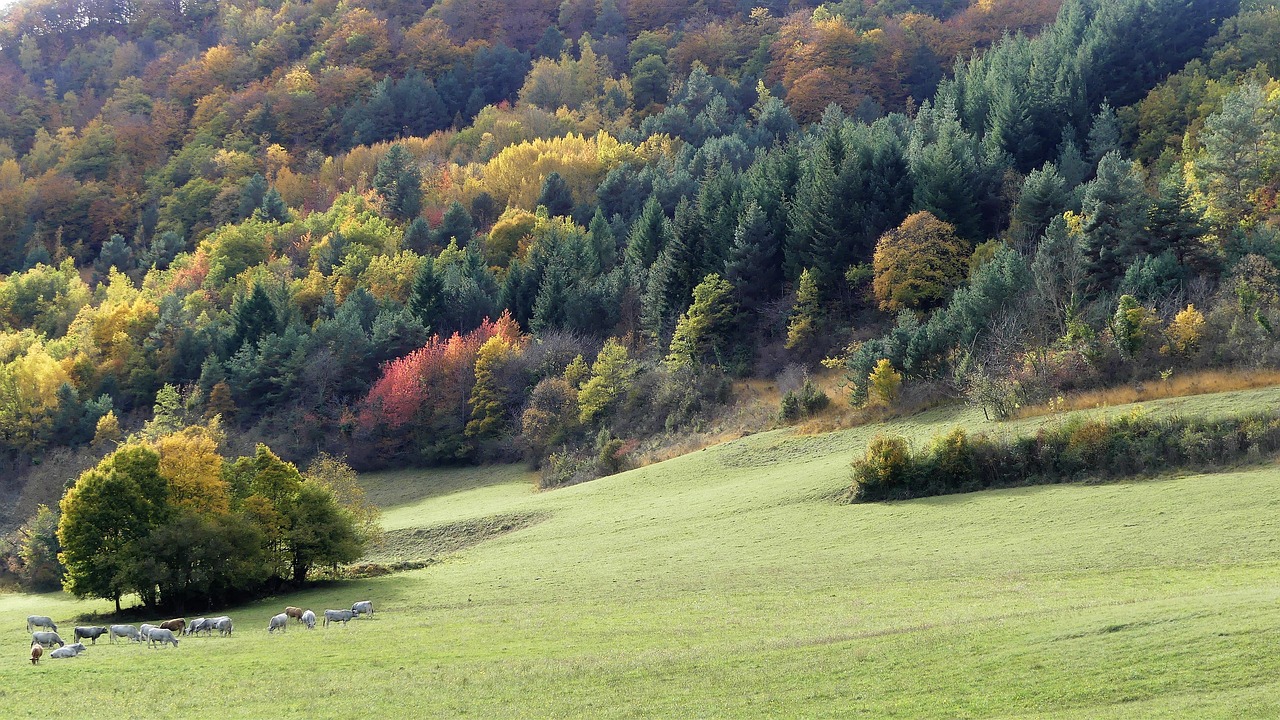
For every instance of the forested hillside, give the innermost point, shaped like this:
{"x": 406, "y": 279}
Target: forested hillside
{"x": 463, "y": 231}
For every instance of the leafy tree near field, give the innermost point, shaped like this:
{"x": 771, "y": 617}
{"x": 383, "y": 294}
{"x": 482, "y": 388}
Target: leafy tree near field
{"x": 806, "y": 315}
{"x": 917, "y": 264}
{"x": 704, "y": 329}
{"x": 110, "y": 507}
{"x": 38, "y": 549}
{"x": 611, "y": 373}
{"x": 883, "y": 384}
{"x": 488, "y": 401}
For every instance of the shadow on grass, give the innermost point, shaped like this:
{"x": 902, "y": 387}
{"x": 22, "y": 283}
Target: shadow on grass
{"x": 391, "y": 488}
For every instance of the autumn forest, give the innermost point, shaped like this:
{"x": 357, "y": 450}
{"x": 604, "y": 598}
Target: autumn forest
{"x": 471, "y": 231}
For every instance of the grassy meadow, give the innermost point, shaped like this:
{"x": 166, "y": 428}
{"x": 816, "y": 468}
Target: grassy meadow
{"x": 731, "y": 582}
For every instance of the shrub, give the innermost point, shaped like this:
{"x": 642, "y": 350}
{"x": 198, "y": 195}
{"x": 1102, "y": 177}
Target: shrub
{"x": 1095, "y": 448}
{"x": 885, "y": 472}
{"x": 808, "y": 400}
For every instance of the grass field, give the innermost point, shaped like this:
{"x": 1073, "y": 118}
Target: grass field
{"x": 729, "y": 582}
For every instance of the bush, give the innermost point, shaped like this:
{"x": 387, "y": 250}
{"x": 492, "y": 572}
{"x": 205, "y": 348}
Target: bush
{"x": 1083, "y": 448}
{"x": 809, "y": 400}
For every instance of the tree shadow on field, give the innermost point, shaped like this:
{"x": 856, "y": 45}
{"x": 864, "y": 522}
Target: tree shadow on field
{"x": 400, "y": 487}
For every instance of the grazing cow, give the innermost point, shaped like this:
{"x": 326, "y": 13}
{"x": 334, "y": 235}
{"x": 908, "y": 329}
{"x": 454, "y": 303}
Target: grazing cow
{"x": 36, "y": 651}
{"x": 47, "y": 639}
{"x": 309, "y": 619}
{"x": 68, "y": 651}
{"x": 35, "y": 621}
{"x": 199, "y": 625}
{"x": 223, "y": 625}
{"x": 91, "y": 633}
{"x": 277, "y": 621}
{"x": 294, "y": 612}
{"x": 128, "y": 631}
{"x": 341, "y": 616}
{"x": 364, "y": 607}
{"x": 162, "y": 636}
{"x": 174, "y": 625}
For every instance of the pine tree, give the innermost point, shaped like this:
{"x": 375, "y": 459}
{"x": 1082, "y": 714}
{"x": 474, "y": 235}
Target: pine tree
{"x": 273, "y": 208}
{"x": 255, "y": 188}
{"x": 1172, "y": 223}
{"x": 417, "y": 236}
{"x": 649, "y": 235}
{"x": 455, "y": 226}
{"x": 806, "y": 315}
{"x": 115, "y": 253}
{"x": 399, "y": 183}
{"x": 811, "y": 222}
{"x": 1104, "y": 134}
{"x": 1114, "y": 211}
{"x": 254, "y": 317}
{"x": 754, "y": 267}
{"x": 602, "y": 241}
{"x": 425, "y": 301}
{"x": 705, "y": 329}
{"x": 556, "y": 196}
{"x": 1044, "y": 196}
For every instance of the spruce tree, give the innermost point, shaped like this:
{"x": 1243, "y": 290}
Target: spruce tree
{"x": 754, "y": 268}
{"x": 556, "y": 196}
{"x": 455, "y": 226}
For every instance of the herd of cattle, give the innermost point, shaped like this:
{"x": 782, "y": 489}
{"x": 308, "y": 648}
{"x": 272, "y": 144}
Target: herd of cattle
{"x": 167, "y": 632}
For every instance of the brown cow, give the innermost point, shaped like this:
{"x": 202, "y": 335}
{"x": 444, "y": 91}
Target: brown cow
{"x": 175, "y": 625}
{"x": 36, "y": 651}
{"x": 294, "y": 612}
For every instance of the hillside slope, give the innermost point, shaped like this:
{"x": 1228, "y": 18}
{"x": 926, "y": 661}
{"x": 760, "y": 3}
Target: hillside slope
{"x": 729, "y": 583}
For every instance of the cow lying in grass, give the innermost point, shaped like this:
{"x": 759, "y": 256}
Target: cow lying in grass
{"x": 68, "y": 651}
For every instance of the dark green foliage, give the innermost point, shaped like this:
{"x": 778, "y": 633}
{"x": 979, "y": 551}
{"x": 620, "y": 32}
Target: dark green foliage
{"x": 1152, "y": 279}
{"x": 649, "y": 235}
{"x": 797, "y": 405}
{"x": 555, "y": 196}
{"x": 649, "y": 81}
{"x": 754, "y": 267}
{"x": 399, "y": 182}
{"x": 117, "y": 254}
{"x": 251, "y": 195}
{"x": 417, "y": 236}
{"x": 1044, "y": 196}
{"x": 456, "y": 226}
{"x": 273, "y": 208}
{"x": 1114, "y": 211}
{"x": 255, "y": 317}
{"x": 1113, "y": 448}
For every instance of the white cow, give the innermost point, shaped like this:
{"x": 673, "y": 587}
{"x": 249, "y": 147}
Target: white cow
{"x": 364, "y": 607}
{"x": 47, "y": 639}
{"x": 68, "y": 651}
{"x": 35, "y": 621}
{"x": 162, "y": 636}
{"x": 309, "y": 619}
{"x": 199, "y": 625}
{"x": 222, "y": 625}
{"x": 341, "y": 616}
{"x": 128, "y": 631}
{"x": 278, "y": 622}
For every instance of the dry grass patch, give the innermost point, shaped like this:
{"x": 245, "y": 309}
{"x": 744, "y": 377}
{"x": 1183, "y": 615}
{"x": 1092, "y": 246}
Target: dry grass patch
{"x": 1201, "y": 383}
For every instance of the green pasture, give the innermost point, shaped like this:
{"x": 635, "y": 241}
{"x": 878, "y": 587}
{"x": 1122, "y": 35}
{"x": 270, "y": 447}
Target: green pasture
{"x": 731, "y": 583}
